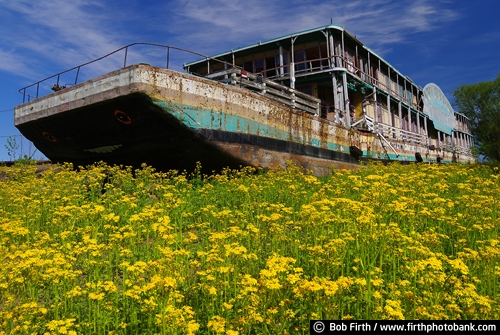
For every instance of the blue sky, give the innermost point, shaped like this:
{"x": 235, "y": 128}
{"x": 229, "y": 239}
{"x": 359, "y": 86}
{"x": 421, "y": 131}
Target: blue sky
{"x": 446, "y": 42}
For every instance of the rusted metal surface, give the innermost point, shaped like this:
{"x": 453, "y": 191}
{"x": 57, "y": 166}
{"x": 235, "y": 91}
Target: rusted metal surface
{"x": 170, "y": 119}
{"x": 260, "y": 157}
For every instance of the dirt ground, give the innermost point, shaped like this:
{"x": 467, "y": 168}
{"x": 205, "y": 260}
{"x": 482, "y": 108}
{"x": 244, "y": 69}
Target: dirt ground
{"x": 40, "y": 168}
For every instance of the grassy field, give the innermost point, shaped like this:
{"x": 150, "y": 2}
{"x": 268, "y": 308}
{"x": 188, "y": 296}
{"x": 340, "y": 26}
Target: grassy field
{"x": 108, "y": 250}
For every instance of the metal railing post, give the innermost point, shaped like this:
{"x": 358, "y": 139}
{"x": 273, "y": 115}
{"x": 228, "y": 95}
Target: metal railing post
{"x": 77, "y": 72}
{"x": 125, "y": 58}
{"x": 168, "y": 56}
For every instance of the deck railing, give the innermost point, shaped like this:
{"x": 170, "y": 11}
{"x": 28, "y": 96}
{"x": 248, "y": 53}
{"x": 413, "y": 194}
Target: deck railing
{"x": 395, "y": 133}
{"x": 311, "y": 66}
{"x": 284, "y": 94}
{"x": 462, "y": 150}
{"x": 33, "y": 91}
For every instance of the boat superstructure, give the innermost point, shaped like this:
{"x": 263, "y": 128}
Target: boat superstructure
{"x": 357, "y": 90}
{"x": 318, "y": 98}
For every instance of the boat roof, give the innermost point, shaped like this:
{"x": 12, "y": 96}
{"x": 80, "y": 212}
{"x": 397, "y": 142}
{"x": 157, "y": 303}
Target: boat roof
{"x": 299, "y": 33}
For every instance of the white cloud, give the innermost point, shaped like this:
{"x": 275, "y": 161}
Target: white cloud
{"x": 377, "y": 23}
{"x": 66, "y": 33}
{"x": 9, "y": 62}
{"x": 62, "y": 33}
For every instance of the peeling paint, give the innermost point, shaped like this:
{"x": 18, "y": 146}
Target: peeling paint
{"x": 245, "y": 127}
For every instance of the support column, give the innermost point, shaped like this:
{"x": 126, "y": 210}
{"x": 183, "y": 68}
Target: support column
{"x": 347, "y": 116}
{"x": 370, "y": 74}
{"x": 292, "y": 65}
{"x": 331, "y": 50}
{"x": 391, "y": 117}
{"x": 426, "y": 131}
{"x": 375, "y": 105}
{"x": 343, "y": 51}
{"x": 418, "y": 125}
{"x": 409, "y": 119}
{"x": 282, "y": 70}
{"x": 400, "y": 111}
{"x": 388, "y": 107}
{"x": 336, "y": 99}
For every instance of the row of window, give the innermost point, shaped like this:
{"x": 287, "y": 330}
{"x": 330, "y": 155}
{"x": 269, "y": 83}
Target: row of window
{"x": 309, "y": 58}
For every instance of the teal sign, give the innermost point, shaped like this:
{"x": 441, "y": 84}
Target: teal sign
{"x": 438, "y": 108}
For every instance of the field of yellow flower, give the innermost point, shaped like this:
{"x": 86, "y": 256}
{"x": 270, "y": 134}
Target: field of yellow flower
{"x": 110, "y": 250}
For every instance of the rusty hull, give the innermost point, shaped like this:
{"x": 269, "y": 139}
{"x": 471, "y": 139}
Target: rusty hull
{"x": 171, "y": 120}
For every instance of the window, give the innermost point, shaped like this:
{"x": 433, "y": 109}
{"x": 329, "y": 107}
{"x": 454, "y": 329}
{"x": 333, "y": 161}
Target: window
{"x": 307, "y": 89}
{"x": 270, "y": 67}
{"x": 258, "y": 65}
{"x": 362, "y": 65}
{"x": 323, "y": 54}
{"x": 312, "y": 56}
{"x": 282, "y": 70}
{"x": 248, "y": 66}
{"x": 216, "y": 67}
{"x": 350, "y": 59}
{"x": 299, "y": 59}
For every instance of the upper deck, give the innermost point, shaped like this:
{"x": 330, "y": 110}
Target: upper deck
{"x": 314, "y": 61}
{"x": 312, "y": 56}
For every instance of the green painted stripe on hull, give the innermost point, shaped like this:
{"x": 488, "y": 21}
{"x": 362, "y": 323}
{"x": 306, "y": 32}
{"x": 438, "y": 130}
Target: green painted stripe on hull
{"x": 197, "y": 118}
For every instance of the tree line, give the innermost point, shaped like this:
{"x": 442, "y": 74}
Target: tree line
{"x": 480, "y": 102}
